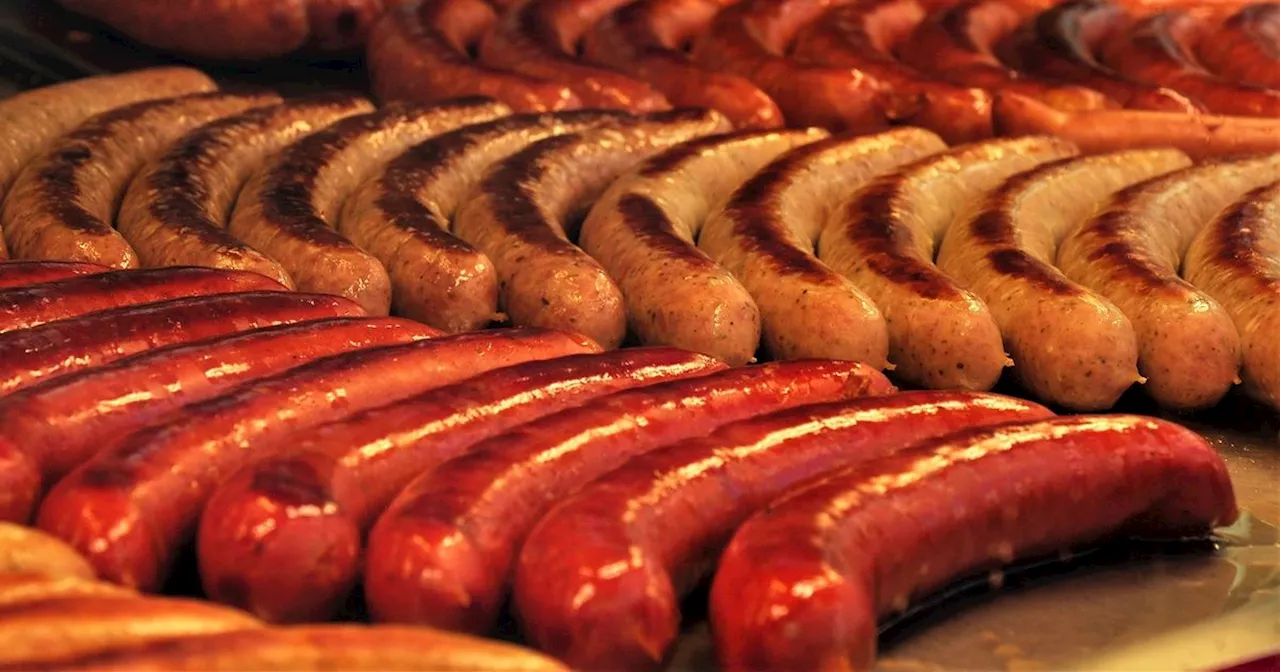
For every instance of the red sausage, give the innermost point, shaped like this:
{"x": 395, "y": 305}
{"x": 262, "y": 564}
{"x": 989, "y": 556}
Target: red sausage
{"x": 22, "y": 273}
{"x": 442, "y": 553}
{"x": 59, "y": 348}
{"x": 61, "y": 423}
{"x": 600, "y": 578}
{"x": 865, "y": 541}
{"x": 25, "y": 307}
{"x": 130, "y": 508}
{"x": 283, "y": 538}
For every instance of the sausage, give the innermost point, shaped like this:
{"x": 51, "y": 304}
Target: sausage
{"x": 864, "y": 541}
{"x": 522, "y": 213}
{"x": 26, "y": 307}
{"x": 27, "y": 551}
{"x": 443, "y": 552}
{"x": 62, "y": 205}
{"x": 337, "y": 647}
{"x": 62, "y": 423}
{"x": 1070, "y": 346}
{"x": 259, "y": 552}
{"x": 862, "y": 37}
{"x": 1188, "y": 347}
{"x": 764, "y": 234}
{"x": 60, "y": 348}
{"x": 958, "y": 44}
{"x": 1059, "y": 43}
{"x": 53, "y": 631}
{"x": 290, "y": 206}
{"x": 1199, "y": 136}
{"x": 632, "y": 41}
{"x": 1242, "y": 49}
{"x": 1230, "y": 260}
{"x": 1153, "y": 51}
{"x": 642, "y": 232}
{"x": 609, "y": 595}
{"x": 23, "y": 273}
{"x": 421, "y": 52}
{"x": 176, "y": 210}
{"x": 941, "y": 336}
{"x": 130, "y": 508}
{"x": 519, "y": 42}
{"x": 808, "y": 95}
{"x": 30, "y": 587}
{"x": 403, "y": 217}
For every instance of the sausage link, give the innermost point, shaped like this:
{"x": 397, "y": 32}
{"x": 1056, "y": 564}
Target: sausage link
{"x": 522, "y": 212}
{"x": 403, "y": 217}
{"x": 865, "y": 540}
{"x": 14, "y": 274}
{"x": 1243, "y": 48}
{"x": 27, "y": 551}
{"x": 1070, "y": 346}
{"x": 31, "y": 587}
{"x": 289, "y": 208}
{"x": 442, "y": 555}
{"x": 64, "y": 202}
{"x": 765, "y": 234}
{"x": 131, "y": 507}
{"x": 176, "y": 210}
{"x": 259, "y": 553}
{"x": 941, "y": 336}
{"x": 648, "y": 532}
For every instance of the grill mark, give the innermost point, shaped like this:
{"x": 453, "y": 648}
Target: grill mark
{"x": 870, "y": 220}
{"x": 293, "y": 483}
{"x": 513, "y": 190}
{"x": 1235, "y": 236}
{"x": 957, "y": 21}
{"x": 653, "y": 228}
{"x": 675, "y": 158}
{"x": 1016, "y": 263}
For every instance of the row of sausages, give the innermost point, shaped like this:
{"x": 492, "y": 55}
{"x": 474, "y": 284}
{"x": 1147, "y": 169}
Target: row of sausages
{"x": 594, "y": 489}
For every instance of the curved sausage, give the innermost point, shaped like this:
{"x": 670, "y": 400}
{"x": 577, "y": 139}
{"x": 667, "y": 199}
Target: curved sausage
{"x": 27, "y": 551}
{"x": 131, "y": 507}
{"x": 176, "y": 210}
{"x": 941, "y": 336}
{"x": 15, "y": 274}
{"x": 521, "y": 216}
{"x": 443, "y": 553}
{"x": 1246, "y": 47}
{"x": 647, "y": 532}
{"x": 765, "y": 233}
{"x": 1069, "y": 345}
{"x": 30, "y": 587}
{"x": 642, "y": 231}
{"x": 403, "y": 217}
{"x": 289, "y": 208}
{"x": 860, "y": 544}
{"x": 261, "y": 549}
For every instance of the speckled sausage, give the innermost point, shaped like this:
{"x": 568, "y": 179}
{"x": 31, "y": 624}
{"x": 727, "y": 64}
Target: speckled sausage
{"x": 289, "y": 207}
{"x": 884, "y": 240}
{"x": 176, "y": 210}
{"x": 642, "y": 231}
{"x": 15, "y": 274}
{"x": 1243, "y": 49}
{"x": 522, "y": 212}
{"x": 1070, "y": 346}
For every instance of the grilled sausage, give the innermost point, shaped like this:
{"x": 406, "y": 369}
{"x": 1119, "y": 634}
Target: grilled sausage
{"x": 63, "y": 203}
{"x": 30, "y": 587}
{"x": 443, "y": 553}
{"x": 642, "y": 231}
{"x": 176, "y": 210}
{"x": 289, "y": 207}
{"x": 15, "y": 274}
{"x": 1243, "y": 48}
{"x": 522, "y": 212}
{"x": 648, "y": 531}
{"x": 27, "y": 551}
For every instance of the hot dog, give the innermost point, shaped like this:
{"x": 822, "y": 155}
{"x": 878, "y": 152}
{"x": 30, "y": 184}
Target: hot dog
{"x": 27, "y": 551}
{"x": 257, "y": 553}
{"x": 860, "y": 542}
{"x": 765, "y": 234}
{"x": 1069, "y": 345}
{"x": 289, "y": 207}
{"x": 22, "y": 273}
{"x": 176, "y": 210}
{"x": 1243, "y": 49}
{"x": 131, "y": 507}
{"x": 63, "y": 203}
{"x": 650, "y": 530}
{"x": 62, "y": 423}
{"x": 30, "y": 587}
{"x": 443, "y": 553}
{"x": 403, "y": 217}
{"x": 642, "y": 231}
{"x": 26, "y": 307}
{"x": 521, "y": 215}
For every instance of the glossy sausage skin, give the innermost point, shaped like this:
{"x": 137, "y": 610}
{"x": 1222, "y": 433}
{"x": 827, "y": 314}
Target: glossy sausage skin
{"x": 866, "y": 539}
{"x": 24, "y": 551}
{"x": 259, "y": 552}
{"x": 1243, "y": 49}
{"x": 130, "y": 508}
{"x": 22, "y": 273}
{"x": 29, "y": 588}
{"x": 63, "y": 422}
{"x": 443, "y": 553}
{"x": 609, "y": 594}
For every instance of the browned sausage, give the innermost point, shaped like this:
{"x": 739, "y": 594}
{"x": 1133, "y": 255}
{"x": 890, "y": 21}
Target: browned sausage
{"x": 1246, "y": 48}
